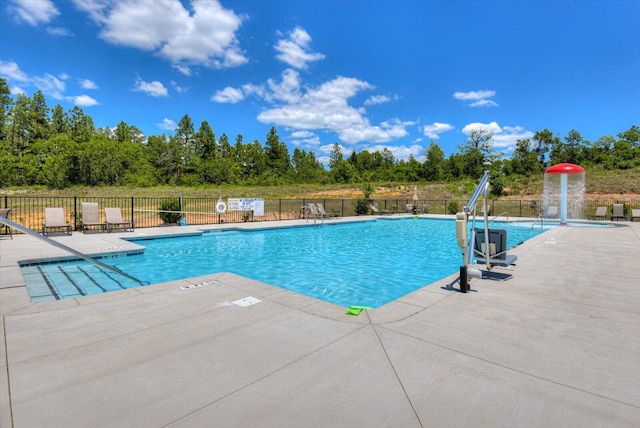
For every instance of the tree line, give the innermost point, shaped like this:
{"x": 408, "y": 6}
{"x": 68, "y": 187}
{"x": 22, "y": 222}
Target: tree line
{"x": 47, "y": 146}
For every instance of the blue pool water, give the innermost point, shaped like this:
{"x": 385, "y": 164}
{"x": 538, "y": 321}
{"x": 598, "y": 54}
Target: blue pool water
{"x": 365, "y": 263}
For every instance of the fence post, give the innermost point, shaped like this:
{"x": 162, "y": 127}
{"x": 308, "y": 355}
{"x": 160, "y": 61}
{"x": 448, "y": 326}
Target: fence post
{"x": 132, "y": 220}
{"x": 75, "y": 213}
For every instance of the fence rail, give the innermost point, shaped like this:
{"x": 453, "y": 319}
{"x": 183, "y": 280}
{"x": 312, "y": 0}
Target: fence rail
{"x": 144, "y": 211}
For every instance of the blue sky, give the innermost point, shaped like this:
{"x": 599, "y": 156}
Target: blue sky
{"x": 365, "y": 74}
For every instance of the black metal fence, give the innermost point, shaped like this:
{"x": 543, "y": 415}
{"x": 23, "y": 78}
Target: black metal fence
{"x": 145, "y": 211}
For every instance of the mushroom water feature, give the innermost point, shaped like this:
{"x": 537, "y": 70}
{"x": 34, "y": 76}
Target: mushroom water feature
{"x": 564, "y": 186}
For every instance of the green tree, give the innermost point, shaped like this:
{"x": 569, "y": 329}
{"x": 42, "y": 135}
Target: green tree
{"x": 39, "y": 115}
{"x": 59, "y": 121}
{"x": 434, "y": 163}
{"x": 477, "y": 153}
{"x": 278, "y": 160}
{"x": 525, "y": 161}
{"x": 6, "y": 102}
{"x": 80, "y": 126}
{"x": 205, "y": 142}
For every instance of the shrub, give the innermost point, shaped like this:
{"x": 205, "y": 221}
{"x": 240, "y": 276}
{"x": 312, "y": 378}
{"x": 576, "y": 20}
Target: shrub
{"x": 170, "y": 205}
{"x": 453, "y": 208}
{"x": 362, "y": 206}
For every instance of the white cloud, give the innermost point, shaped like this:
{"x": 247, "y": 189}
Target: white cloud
{"x": 307, "y": 138}
{"x": 287, "y": 90}
{"x": 326, "y": 108}
{"x": 50, "y": 85}
{"x": 228, "y": 95}
{"x": 294, "y": 50}
{"x": 16, "y": 90}
{"x": 83, "y": 101}
{"x": 489, "y": 127}
{"x": 377, "y": 99}
{"x": 155, "y": 88}
{"x": 204, "y": 36}
{"x": 59, "y": 32}
{"x": 504, "y": 138}
{"x": 167, "y": 125}
{"x": 434, "y": 130}
{"x": 477, "y": 98}
{"x": 88, "y": 84}
{"x": 11, "y": 71}
{"x": 178, "y": 88}
{"x": 33, "y": 12}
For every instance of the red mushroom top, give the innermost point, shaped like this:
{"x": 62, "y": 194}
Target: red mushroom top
{"x": 564, "y": 167}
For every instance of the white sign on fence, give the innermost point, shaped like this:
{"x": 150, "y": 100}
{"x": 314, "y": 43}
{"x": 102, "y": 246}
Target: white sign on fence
{"x": 247, "y": 204}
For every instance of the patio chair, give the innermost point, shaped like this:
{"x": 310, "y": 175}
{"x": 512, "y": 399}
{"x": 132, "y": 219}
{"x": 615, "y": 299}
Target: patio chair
{"x": 635, "y": 213}
{"x": 115, "y": 221}
{"x": 552, "y": 211}
{"x": 601, "y": 213}
{"x": 4, "y": 212}
{"x": 91, "y": 217}
{"x": 376, "y": 210}
{"x": 54, "y": 219}
{"x": 325, "y": 214}
{"x": 618, "y": 212}
{"x": 409, "y": 208}
{"x": 497, "y": 253}
{"x": 310, "y": 210}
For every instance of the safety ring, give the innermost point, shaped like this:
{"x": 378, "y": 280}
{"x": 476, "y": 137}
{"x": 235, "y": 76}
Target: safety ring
{"x": 221, "y": 207}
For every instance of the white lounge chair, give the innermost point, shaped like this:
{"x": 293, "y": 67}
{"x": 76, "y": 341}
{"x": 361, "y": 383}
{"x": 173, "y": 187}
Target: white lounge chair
{"x": 635, "y": 213}
{"x": 91, "y": 217}
{"x": 54, "y": 219}
{"x": 115, "y": 221}
{"x": 497, "y": 248}
{"x": 376, "y": 210}
{"x": 325, "y": 214}
{"x": 552, "y": 211}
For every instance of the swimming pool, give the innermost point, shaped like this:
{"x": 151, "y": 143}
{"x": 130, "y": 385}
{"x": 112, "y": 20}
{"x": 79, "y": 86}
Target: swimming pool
{"x": 367, "y": 263}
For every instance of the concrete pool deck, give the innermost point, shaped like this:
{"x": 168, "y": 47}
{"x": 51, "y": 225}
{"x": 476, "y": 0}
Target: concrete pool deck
{"x": 555, "y": 345}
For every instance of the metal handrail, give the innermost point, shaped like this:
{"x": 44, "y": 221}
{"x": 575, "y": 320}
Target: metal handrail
{"x": 541, "y": 218}
{"x": 500, "y": 215}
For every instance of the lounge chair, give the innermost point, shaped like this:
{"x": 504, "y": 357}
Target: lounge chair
{"x": 4, "y": 212}
{"x": 54, "y": 219}
{"x": 635, "y": 213}
{"x": 497, "y": 248}
{"x": 310, "y": 210}
{"x": 601, "y": 213}
{"x": 409, "y": 208}
{"x": 552, "y": 211}
{"x": 376, "y": 210}
{"x": 91, "y": 217}
{"x": 325, "y": 214}
{"x": 115, "y": 221}
{"x": 618, "y": 212}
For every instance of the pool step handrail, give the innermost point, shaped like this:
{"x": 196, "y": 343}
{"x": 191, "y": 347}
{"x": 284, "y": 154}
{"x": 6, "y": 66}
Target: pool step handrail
{"x": 541, "y": 218}
{"x": 500, "y": 215}
{"x": 57, "y": 244}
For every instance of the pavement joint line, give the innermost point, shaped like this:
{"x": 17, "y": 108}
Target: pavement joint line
{"x": 271, "y": 373}
{"x": 513, "y": 369}
{"x": 395, "y": 372}
{"x": 108, "y": 339}
{"x": 6, "y": 361}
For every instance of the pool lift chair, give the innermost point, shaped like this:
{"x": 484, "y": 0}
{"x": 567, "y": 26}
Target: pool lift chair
{"x": 489, "y": 245}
